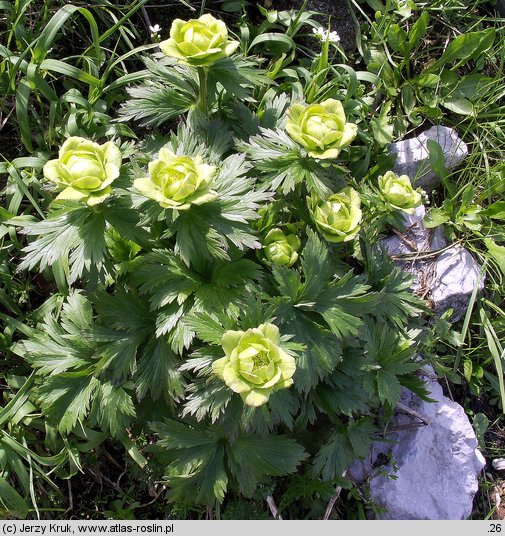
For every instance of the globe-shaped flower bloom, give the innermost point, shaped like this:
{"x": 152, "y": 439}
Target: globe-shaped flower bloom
{"x": 254, "y": 365}
{"x": 398, "y": 192}
{"x": 322, "y": 128}
{"x": 177, "y": 181}
{"x": 281, "y": 249}
{"x": 338, "y": 218}
{"x": 84, "y": 170}
{"x": 199, "y": 42}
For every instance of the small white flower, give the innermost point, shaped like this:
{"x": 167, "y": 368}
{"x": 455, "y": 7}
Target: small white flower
{"x": 324, "y": 35}
{"x": 155, "y": 29}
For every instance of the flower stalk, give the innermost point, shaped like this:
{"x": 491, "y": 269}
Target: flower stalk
{"x": 203, "y": 103}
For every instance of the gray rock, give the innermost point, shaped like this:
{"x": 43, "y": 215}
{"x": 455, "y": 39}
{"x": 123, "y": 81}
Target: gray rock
{"x": 444, "y": 276}
{"x": 498, "y": 464}
{"x": 436, "y": 466}
{"x": 412, "y": 157}
{"x": 456, "y": 273}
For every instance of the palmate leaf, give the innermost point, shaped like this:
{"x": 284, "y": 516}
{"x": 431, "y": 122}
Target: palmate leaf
{"x": 224, "y": 223}
{"x": 206, "y": 398}
{"x": 340, "y": 301}
{"x": 203, "y": 459}
{"x": 165, "y": 279}
{"x": 237, "y": 76}
{"x": 389, "y": 355}
{"x": 344, "y": 446}
{"x": 197, "y": 472}
{"x": 282, "y": 165}
{"x": 153, "y": 104}
{"x": 117, "y": 352}
{"x": 67, "y": 397}
{"x": 251, "y": 458}
{"x": 158, "y": 372}
{"x": 64, "y": 344}
{"x": 343, "y": 303}
{"x": 124, "y": 310}
{"x": 201, "y": 136}
{"x": 113, "y": 408}
{"x": 323, "y": 350}
{"x": 341, "y": 394}
{"x": 395, "y": 301}
{"x": 207, "y": 328}
{"x": 123, "y": 324}
{"x": 172, "y": 91}
{"x": 317, "y": 265}
{"x": 66, "y": 351}
{"x": 74, "y": 235}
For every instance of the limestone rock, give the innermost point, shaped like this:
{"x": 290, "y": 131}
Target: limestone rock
{"x": 498, "y": 464}
{"x": 436, "y": 465}
{"x": 444, "y": 276}
{"x": 412, "y": 157}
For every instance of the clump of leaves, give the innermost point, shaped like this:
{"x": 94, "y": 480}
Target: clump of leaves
{"x": 174, "y": 326}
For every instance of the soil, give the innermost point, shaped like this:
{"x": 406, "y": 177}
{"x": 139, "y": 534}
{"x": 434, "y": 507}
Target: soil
{"x": 336, "y": 11}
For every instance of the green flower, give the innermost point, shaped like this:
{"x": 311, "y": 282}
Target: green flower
{"x": 199, "y": 42}
{"x": 84, "y": 170}
{"x": 321, "y": 128}
{"x": 254, "y": 364}
{"x": 398, "y": 191}
{"x": 177, "y": 181}
{"x": 338, "y": 217}
{"x": 281, "y": 249}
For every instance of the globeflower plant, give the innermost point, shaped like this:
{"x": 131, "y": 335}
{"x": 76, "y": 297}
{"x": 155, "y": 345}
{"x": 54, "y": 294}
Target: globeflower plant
{"x": 338, "y": 218}
{"x": 398, "y": 191}
{"x": 199, "y": 42}
{"x": 254, "y": 365}
{"x": 322, "y": 128}
{"x": 177, "y": 181}
{"x": 84, "y": 170}
{"x": 281, "y": 249}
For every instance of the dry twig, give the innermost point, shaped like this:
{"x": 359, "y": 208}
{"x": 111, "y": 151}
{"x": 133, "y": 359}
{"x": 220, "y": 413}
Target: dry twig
{"x": 273, "y": 508}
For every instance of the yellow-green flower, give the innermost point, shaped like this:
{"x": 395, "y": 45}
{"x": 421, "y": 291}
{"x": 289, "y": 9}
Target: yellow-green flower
{"x": 177, "y": 181}
{"x": 254, "y": 365}
{"x": 199, "y": 42}
{"x": 398, "y": 192}
{"x": 281, "y": 249}
{"x": 322, "y": 128}
{"x": 84, "y": 170}
{"x": 338, "y": 218}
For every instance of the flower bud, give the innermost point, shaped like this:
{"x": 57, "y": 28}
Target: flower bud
{"x": 398, "y": 192}
{"x": 322, "y": 129}
{"x": 177, "y": 181}
{"x": 254, "y": 365}
{"x": 84, "y": 170}
{"x": 199, "y": 42}
{"x": 281, "y": 249}
{"x": 338, "y": 218}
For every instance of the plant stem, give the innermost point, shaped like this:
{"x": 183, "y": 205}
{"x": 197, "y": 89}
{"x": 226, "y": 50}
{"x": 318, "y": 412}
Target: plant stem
{"x": 202, "y": 98}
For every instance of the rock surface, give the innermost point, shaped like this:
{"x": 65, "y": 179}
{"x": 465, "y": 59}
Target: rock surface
{"x": 444, "y": 276}
{"x": 412, "y": 157}
{"x": 498, "y": 464}
{"x": 435, "y": 466}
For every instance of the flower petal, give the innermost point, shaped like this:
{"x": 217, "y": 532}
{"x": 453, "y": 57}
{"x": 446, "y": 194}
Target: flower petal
{"x": 256, "y": 397}
{"x": 234, "y": 381}
{"x": 230, "y": 341}
{"x": 219, "y": 365}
